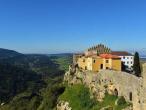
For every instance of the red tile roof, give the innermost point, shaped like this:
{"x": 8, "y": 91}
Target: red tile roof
{"x": 107, "y": 56}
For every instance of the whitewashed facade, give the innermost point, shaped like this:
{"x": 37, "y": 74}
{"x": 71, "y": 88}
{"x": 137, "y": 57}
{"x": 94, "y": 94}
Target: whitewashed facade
{"x": 126, "y": 58}
{"x": 128, "y": 61}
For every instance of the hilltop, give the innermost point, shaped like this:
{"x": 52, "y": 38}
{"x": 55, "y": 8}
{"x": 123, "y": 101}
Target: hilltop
{"x": 103, "y": 90}
{"x": 6, "y": 53}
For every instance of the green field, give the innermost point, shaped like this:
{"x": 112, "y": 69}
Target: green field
{"x": 63, "y": 61}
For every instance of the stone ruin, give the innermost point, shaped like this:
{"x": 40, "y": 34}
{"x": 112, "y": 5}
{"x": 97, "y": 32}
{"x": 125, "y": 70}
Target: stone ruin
{"x": 132, "y": 88}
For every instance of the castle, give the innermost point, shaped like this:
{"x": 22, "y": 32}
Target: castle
{"x": 101, "y": 57}
{"x": 110, "y": 78}
{"x": 118, "y": 83}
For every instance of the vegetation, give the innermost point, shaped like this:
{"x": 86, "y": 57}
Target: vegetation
{"x": 41, "y": 64}
{"x": 14, "y": 80}
{"x": 64, "y": 61}
{"x": 34, "y": 82}
{"x": 136, "y": 66}
{"x": 50, "y": 96}
{"x": 121, "y": 101}
{"x": 78, "y": 97}
{"x": 30, "y": 82}
{"x": 5, "y": 53}
{"x": 42, "y": 99}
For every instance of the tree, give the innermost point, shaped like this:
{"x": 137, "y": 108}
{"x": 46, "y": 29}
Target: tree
{"x": 136, "y": 65}
{"x": 123, "y": 67}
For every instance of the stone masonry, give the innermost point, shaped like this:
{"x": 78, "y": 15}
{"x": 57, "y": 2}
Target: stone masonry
{"x": 114, "y": 82}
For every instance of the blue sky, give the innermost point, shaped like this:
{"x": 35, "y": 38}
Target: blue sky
{"x": 57, "y": 26}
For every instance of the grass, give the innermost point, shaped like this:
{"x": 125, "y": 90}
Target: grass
{"x": 78, "y": 97}
{"x": 64, "y": 62}
{"x": 110, "y": 100}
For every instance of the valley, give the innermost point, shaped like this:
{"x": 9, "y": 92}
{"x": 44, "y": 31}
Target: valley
{"x": 28, "y": 82}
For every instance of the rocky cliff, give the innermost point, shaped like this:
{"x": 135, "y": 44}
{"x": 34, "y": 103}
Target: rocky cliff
{"x": 111, "y": 82}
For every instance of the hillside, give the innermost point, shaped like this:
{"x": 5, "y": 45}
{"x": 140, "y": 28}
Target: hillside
{"x": 34, "y": 82}
{"x": 79, "y": 98}
{"x": 31, "y": 82}
{"x": 14, "y": 80}
{"x": 41, "y": 64}
{"x": 88, "y": 90}
{"x": 5, "y": 53}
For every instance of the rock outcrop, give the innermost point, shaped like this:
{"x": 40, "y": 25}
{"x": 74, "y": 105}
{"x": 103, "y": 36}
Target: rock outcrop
{"x": 62, "y": 105}
{"x": 113, "y": 82}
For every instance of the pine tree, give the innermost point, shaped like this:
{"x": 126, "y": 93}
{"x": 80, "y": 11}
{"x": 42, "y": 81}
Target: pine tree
{"x": 136, "y": 65}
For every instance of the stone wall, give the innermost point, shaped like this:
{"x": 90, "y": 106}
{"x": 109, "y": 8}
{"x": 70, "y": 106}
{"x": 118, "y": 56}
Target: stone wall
{"x": 122, "y": 84}
{"x": 118, "y": 83}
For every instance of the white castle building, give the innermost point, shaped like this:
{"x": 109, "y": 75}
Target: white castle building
{"x": 126, "y": 58}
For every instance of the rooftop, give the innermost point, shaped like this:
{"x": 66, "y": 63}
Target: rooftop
{"x": 121, "y": 53}
{"x": 107, "y": 56}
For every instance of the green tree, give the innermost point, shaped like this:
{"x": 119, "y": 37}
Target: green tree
{"x": 136, "y": 65}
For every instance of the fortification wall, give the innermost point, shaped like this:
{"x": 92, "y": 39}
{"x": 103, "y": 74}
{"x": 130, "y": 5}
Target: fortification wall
{"x": 119, "y": 83}
{"x": 123, "y": 84}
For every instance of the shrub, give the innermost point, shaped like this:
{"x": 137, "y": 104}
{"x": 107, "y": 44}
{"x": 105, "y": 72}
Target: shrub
{"x": 121, "y": 101}
{"x": 78, "y": 96}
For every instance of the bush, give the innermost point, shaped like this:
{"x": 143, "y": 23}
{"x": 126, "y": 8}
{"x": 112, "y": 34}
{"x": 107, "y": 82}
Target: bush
{"x": 109, "y": 108}
{"x": 121, "y": 101}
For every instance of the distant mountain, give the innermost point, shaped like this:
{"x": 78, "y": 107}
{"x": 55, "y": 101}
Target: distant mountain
{"x": 39, "y": 63}
{"x": 5, "y": 53}
{"x": 60, "y": 54}
{"x": 143, "y": 56}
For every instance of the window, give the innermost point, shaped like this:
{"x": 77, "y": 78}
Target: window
{"x": 131, "y": 62}
{"x": 85, "y": 67}
{"x": 127, "y": 62}
{"x": 107, "y": 61}
{"x": 83, "y": 60}
{"x": 94, "y": 61}
{"x": 131, "y": 57}
{"x": 124, "y": 57}
{"x": 130, "y": 96}
{"x": 101, "y": 66}
{"x": 107, "y": 68}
